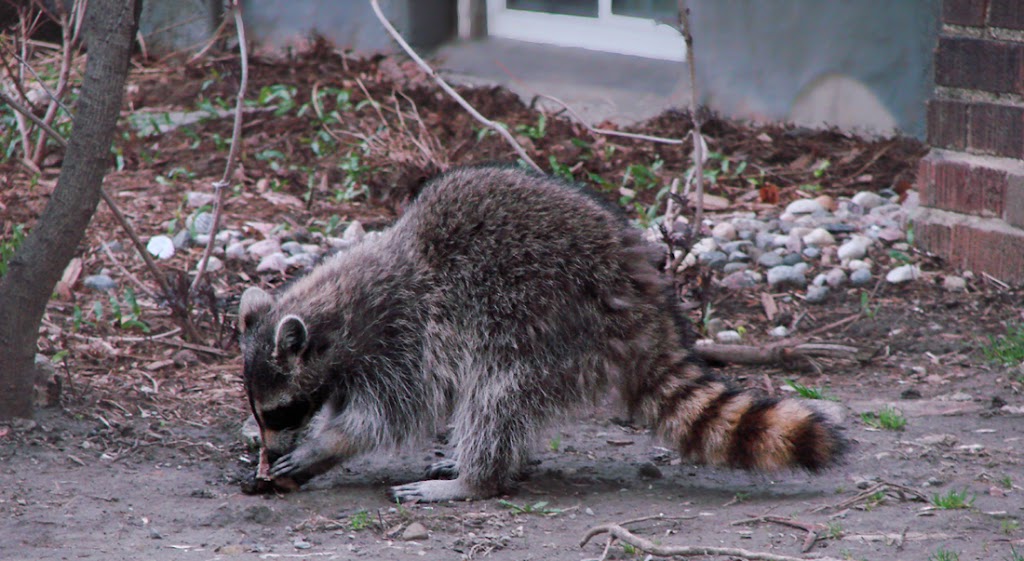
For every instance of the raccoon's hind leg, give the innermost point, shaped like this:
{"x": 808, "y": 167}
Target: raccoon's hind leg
{"x": 491, "y": 436}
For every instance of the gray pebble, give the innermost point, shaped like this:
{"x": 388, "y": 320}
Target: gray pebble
{"x": 860, "y": 277}
{"x": 792, "y": 259}
{"x": 415, "y": 531}
{"x": 648, "y": 470}
{"x": 303, "y": 260}
{"x": 811, "y": 252}
{"x": 733, "y": 247}
{"x": 819, "y": 280}
{"x": 816, "y": 294}
{"x": 835, "y": 278}
{"x": 99, "y": 282}
{"x": 769, "y": 260}
{"x": 730, "y": 268}
{"x": 713, "y": 259}
{"x": 201, "y": 223}
{"x": 764, "y": 240}
{"x": 740, "y": 280}
{"x": 264, "y": 248}
{"x": 181, "y": 240}
{"x": 903, "y": 273}
{"x": 235, "y": 251}
{"x": 804, "y": 206}
{"x": 785, "y": 275}
{"x": 292, "y": 248}
{"x": 196, "y": 199}
{"x": 840, "y": 228}
{"x": 713, "y": 326}
{"x": 738, "y": 256}
{"x": 114, "y": 246}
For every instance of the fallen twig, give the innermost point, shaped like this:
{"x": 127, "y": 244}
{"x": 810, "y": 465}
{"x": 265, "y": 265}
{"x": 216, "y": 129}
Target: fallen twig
{"x": 610, "y": 132}
{"x": 236, "y": 135}
{"x": 772, "y": 354}
{"x": 502, "y": 131}
{"x": 902, "y": 492}
{"x": 618, "y": 532}
{"x": 813, "y": 529}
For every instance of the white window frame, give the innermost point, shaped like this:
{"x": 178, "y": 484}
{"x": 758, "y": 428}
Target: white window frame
{"x": 607, "y": 32}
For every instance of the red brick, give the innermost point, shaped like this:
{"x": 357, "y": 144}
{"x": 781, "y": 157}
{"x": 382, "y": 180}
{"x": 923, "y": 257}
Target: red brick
{"x": 986, "y": 191}
{"x": 974, "y": 246}
{"x": 947, "y": 187}
{"x": 947, "y": 124}
{"x": 981, "y": 64}
{"x": 964, "y": 12}
{"x": 1013, "y": 209}
{"x": 996, "y": 129}
{"x": 1006, "y": 13}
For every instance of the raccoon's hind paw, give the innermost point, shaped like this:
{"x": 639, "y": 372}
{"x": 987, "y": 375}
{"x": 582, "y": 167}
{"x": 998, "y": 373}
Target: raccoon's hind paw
{"x": 436, "y": 490}
{"x": 445, "y": 469}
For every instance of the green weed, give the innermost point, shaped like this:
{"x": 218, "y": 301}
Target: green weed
{"x": 808, "y": 392}
{"x": 865, "y": 305}
{"x": 943, "y": 554}
{"x": 1008, "y": 526}
{"x": 9, "y": 246}
{"x": 1008, "y": 349}
{"x": 359, "y": 521}
{"x": 953, "y": 500}
{"x": 535, "y": 132}
{"x": 888, "y": 419}
{"x": 1015, "y": 555}
{"x": 555, "y": 444}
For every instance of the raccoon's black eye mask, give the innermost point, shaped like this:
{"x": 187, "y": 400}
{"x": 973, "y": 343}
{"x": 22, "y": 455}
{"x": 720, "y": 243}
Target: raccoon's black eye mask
{"x": 286, "y": 417}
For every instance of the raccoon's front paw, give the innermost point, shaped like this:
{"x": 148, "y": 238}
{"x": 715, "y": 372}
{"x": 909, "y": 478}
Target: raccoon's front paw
{"x": 436, "y": 490}
{"x": 445, "y": 469}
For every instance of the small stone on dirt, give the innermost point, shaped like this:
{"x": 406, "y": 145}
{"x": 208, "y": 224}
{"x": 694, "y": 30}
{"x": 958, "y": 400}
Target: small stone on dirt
{"x": 954, "y": 283}
{"x": 414, "y": 532}
{"x": 647, "y": 470}
{"x": 99, "y": 282}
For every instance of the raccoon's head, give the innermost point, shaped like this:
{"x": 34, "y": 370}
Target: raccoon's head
{"x": 274, "y": 353}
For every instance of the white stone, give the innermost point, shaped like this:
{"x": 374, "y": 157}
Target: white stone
{"x": 235, "y": 251}
{"x": 275, "y": 262}
{"x": 196, "y": 199}
{"x": 819, "y": 237}
{"x": 856, "y": 264}
{"x": 854, "y": 248}
{"x": 724, "y": 231}
{"x": 779, "y": 331}
{"x": 868, "y": 200}
{"x": 903, "y": 273}
{"x": 784, "y": 274}
{"x": 160, "y": 247}
{"x": 728, "y": 337}
{"x": 804, "y": 206}
{"x": 835, "y": 278}
{"x": 264, "y": 248}
{"x": 704, "y": 245}
{"x": 212, "y": 265}
{"x": 953, "y": 283}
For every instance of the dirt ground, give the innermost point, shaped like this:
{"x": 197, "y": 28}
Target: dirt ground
{"x": 138, "y": 453}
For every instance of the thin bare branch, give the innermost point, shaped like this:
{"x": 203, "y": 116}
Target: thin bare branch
{"x": 451, "y": 91}
{"x": 647, "y": 546}
{"x": 609, "y": 132}
{"x": 698, "y": 140}
{"x": 236, "y": 137}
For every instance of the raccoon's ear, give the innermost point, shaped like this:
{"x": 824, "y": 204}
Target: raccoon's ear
{"x": 255, "y": 303}
{"x": 291, "y": 337}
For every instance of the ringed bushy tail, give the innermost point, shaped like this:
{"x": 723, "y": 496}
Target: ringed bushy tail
{"x": 711, "y": 422}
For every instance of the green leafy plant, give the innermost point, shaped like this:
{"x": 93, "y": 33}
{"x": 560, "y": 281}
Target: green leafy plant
{"x": 535, "y": 132}
{"x": 808, "y": 392}
{"x": 1008, "y": 349}
{"x": 1008, "y": 526}
{"x": 953, "y": 500}
{"x": 560, "y": 170}
{"x": 834, "y": 530}
{"x": 9, "y": 246}
{"x": 359, "y": 521}
{"x": 555, "y": 444}
{"x": 943, "y": 554}
{"x": 887, "y": 418}
{"x": 865, "y": 305}
{"x": 1015, "y": 555}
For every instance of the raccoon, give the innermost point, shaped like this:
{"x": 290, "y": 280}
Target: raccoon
{"x": 501, "y": 301}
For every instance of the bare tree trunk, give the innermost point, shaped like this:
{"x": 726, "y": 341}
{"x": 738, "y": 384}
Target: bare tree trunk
{"x": 110, "y": 26}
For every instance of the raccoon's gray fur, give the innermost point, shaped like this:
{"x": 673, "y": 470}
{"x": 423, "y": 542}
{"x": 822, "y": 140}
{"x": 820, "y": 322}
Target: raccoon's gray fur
{"x": 500, "y": 301}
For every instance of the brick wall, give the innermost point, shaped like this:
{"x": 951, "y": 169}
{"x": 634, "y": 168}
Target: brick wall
{"x": 972, "y": 182}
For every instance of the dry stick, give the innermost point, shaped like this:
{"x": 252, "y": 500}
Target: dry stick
{"x": 121, "y": 219}
{"x": 698, "y": 140}
{"x": 624, "y": 535}
{"x": 68, "y": 42}
{"x": 813, "y": 529}
{"x": 609, "y": 132}
{"x": 126, "y": 272}
{"x": 449, "y": 90}
{"x": 745, "y": 354}
{"x": 236, "y": 134}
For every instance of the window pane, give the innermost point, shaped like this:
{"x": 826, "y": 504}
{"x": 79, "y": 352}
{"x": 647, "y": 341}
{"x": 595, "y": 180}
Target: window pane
{"x": 664, "y": 10}
{"x": 586, "y": 8}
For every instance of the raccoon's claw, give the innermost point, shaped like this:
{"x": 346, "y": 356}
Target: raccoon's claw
{"x": 436, "y": 490}
{"x": 287, "y": 465}
{"x": 445, "y": 469}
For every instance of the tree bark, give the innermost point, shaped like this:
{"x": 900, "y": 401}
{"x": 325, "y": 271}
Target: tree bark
{"x": 110, "y": 26}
